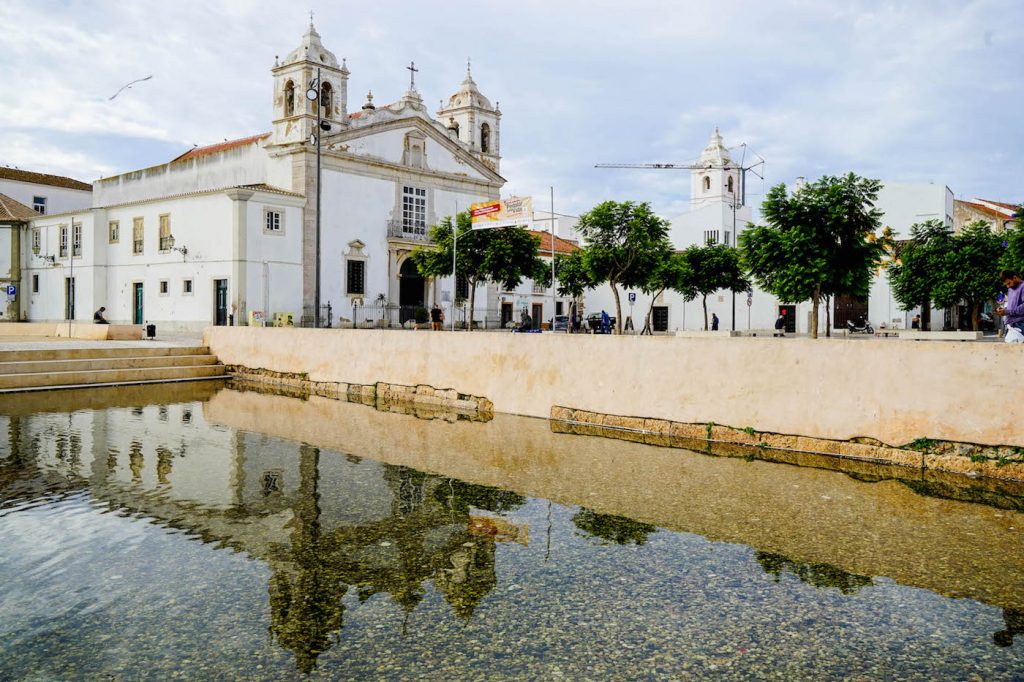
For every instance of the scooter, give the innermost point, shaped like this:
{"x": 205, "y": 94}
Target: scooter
{"x": 862, "y": 326}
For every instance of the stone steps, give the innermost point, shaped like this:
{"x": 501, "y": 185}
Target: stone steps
{"x": 67, "y": 368}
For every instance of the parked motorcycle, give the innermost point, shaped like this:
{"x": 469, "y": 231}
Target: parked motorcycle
{"x": 861, "y": 326}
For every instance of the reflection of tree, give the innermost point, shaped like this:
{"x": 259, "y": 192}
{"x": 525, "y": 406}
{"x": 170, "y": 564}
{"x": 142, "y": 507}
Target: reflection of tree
{"x": 818, "y": 575}
{"x": 164, "y": 464}
{"x": 462, "y": 496}
{"x": 614, "y": 529}
{"x": 1014, "y": 619}
{"x": 135, "y": 460}
{"x": 468, "y": 577}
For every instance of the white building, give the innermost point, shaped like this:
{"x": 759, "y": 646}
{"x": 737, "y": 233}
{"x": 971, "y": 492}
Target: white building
{"x": 227, "y": 230}
{"x": 45, "y": 193}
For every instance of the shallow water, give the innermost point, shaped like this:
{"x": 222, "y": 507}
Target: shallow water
{"x": 196, "y": 532}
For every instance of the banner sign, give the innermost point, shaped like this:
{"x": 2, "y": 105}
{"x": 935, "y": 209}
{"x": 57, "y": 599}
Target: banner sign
{"x": 503, "y": 213}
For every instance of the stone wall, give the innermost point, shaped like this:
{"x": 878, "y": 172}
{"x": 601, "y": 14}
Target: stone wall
{"x": 895, "y": 393}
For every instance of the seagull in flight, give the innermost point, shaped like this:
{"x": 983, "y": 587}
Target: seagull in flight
{"x": 128, "y": 86}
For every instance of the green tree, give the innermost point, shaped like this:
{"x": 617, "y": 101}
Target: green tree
{"x": 673, "y": 272}
{"x": 1013, "y": 237}
{"x": 625, "y": 240}
{"x": 821, "y": 240}
{"x": 713, "y": 267}
{"x": 920, "y": 265}
{"x": 972, "y": 270}
{"x": 505, "y": 255}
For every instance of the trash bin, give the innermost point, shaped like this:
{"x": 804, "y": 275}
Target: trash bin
{"x": 150, "y": 331}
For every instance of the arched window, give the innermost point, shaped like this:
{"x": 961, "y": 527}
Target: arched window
{"x": 325, "y": 99}
{"x": 289, "y": 98}
{"x": 729, "y": 184}
{"x": 707, "y": 183}
{"x": 485, "y": 138}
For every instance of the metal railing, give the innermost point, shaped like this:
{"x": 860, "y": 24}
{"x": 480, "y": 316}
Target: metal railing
{"x": 401, "y": 229}
{"x": 400, "y": 317}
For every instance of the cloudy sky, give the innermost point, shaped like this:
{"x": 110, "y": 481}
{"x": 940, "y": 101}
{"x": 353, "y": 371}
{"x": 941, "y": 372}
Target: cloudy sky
{"x": 904, "y": 91}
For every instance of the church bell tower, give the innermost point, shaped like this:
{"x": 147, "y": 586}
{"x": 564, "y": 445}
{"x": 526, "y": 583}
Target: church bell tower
{"x": 294, "y": 113}
{"x": 471, "y": 118}
{"x": 717, "y": 180}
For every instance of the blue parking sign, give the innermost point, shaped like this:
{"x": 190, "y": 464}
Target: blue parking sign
{"x": 11, "y": 290}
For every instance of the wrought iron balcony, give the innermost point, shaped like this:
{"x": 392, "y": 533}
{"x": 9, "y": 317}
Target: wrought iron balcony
{"x": 401, "y": 229}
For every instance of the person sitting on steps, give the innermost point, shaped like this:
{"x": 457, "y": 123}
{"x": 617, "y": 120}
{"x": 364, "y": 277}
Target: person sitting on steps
{"x": 98, "y": 317}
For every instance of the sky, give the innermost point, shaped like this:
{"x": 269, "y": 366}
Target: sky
{"x": 901, "y": 91}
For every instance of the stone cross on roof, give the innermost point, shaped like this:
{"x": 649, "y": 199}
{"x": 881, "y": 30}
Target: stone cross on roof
{"x": 412, "y": 75}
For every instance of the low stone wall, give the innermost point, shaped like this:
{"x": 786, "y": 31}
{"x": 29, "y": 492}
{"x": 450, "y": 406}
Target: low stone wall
{"x": 838, "y": 390}
{"x": 90, "y": 332}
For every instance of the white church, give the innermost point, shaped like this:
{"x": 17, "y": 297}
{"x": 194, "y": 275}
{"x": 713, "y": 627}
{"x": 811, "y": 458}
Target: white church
{"x": 226, "y": 234}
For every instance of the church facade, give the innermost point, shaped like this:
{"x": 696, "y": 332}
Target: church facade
{"x": 226, "y": 234}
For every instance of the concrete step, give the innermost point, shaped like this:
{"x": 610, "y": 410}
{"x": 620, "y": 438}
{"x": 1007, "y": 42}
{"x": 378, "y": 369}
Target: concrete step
{"x": 97, "y": 353}
{"x": 41, "y": 366}
{"x": 107, "y": 376}
{"x": 118, "y": 385}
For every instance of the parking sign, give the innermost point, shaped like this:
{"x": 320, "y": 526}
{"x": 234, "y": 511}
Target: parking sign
{"x": 11, "y": 290}
{"x": 632, "y": 297}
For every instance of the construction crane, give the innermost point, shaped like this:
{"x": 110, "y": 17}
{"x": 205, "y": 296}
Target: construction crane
{"x": 741, "y": 167}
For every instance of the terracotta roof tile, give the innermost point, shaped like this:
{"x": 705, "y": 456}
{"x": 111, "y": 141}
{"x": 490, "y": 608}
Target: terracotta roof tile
{"x": 43, "y": 179}
{"x": 1012, "y": 207}
{"x": 562, "y": 246}
{"x": 987, "y": 210}
{"x": 220, "y": 147}
{"x": 15, "y": 210}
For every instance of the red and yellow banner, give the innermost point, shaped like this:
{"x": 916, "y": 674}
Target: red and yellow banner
{"x": 502, "y": 213}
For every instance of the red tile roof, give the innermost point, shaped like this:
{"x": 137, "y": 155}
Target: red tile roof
{"x": 11, "y": 210}
{"x": 986, "y": 210}
{"x": 220, "y": 147}
{"x": 562, "y": 246}
{"x": 43, "y": 179}
{"x": 1012, "y": 207}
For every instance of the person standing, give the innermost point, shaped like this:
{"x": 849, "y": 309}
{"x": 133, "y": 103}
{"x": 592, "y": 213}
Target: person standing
{"x": 605, "y": 323}
{"x": 436, "y": 318}
{"x": 780, "y": 324}
{"x": 1013, "y": 309}
{"x": 915, "y": 323}
{"x": 714, "y": 322}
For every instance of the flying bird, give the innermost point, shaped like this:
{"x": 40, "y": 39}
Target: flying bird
{"x": 128, "y": 86}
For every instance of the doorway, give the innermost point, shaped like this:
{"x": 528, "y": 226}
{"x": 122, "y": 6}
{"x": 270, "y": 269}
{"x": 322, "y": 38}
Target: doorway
{"x": 411, "y": 290}
{"x": 220, "y": 302}
{"x": 69, "y": 298}
{"x": 506, "y": 313}
{"x": 538, "y": 313}
{"x": 659, "y": 318}
{"x": 789, "y": 314}
{"x": 848, "y": 308}
{"x": 137, "y": 314}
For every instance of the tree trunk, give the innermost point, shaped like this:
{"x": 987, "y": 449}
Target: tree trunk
{"x": 650, "y": 310}
{"x": 828, "y": 316}
{"x": 704, "y": 302}
{"x": 926, "y": 315}
{"x": 975, "y": 316}
{"x": 618, "y": 308}
{"x": 815, "y": 301}
{"x": 471, "y": 281}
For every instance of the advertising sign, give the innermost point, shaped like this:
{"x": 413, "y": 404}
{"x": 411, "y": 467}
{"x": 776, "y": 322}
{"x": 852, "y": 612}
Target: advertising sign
{"x": 502, "y": 213}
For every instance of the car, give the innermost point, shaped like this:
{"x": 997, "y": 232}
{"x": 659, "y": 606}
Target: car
{"x": 594, "y": 322}
{"x": 561, "y": 323}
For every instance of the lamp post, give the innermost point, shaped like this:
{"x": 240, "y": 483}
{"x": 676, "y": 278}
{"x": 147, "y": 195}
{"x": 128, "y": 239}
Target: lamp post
{"x": 313, "y": 95}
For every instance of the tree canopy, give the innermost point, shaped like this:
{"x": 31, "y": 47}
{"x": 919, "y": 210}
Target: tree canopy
{"x": 711, "y": 268}
{"x": 671, "y": 272}
{"x": 823, "y": 239}
{"x": 624, "y": 242}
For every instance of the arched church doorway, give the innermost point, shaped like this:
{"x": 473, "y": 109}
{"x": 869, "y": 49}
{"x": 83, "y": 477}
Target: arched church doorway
{"x": 412, "y": 290}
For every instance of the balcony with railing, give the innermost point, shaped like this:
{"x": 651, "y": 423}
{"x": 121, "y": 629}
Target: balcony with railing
{"x": 406, "y": 229}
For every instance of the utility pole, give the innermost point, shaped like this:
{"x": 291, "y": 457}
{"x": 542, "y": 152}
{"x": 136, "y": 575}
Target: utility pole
{"x": 554, "y": 305}
{"x": 455, "y": 274}
{"x": 313, "y": 95}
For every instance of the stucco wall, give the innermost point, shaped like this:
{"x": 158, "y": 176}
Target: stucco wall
{"x": 893, "y": 391}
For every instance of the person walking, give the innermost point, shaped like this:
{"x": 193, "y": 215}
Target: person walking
{"x": 436, "y": 318}
{"x": 605, "y": 323}
{"x": 780, "y": 324}
{"x": 714, "y": 322}
{"x": 98, "y": 317}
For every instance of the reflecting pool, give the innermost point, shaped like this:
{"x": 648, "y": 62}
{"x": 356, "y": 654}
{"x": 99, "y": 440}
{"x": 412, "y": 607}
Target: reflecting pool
{"x": 196, "y": 531}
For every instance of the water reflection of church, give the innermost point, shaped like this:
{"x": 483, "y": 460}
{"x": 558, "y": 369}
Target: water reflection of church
{"x": 324, "y": 523}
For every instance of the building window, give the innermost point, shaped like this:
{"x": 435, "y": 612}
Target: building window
{"x": 63, "y": 241}
{"x": 461, "y": 288}
{"x": 113, "y": 232}
{"x": 725, "y": 237}
{"x": 39, "y": 204}
{"x": 36, "y": 240}
{"x": 707, "y": 183}
{"x": 355, "y": 281}
{"x": 485, "y": 138}
{"x": 76, "y": 238}
{"x": 325, "y": 98}
{"x": 186, "y": 287}
{"x": 35, "y": 284}
{"x": 710, "y": 236}
{"x": 729, "y": 184}
{"x": 164, "y": 287}
{"x": 137, "y": 236}
{"x": 165, "y": 233}
{"x": 414, "y": 210}
{"x": 273, "y": 221}
{"x": 289, "y": 98}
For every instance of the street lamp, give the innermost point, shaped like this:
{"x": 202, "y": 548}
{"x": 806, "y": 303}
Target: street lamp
{"x": 313, "y": 94}
{"x": 183, "y": 250}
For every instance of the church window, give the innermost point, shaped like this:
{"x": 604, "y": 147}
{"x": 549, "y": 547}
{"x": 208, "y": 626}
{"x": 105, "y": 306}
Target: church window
{"x": 39, "y": 204}
{"x": 36, "y": 240}
{"x": 165, "y": 233}
{"x": 273, "y": 221}
{"x": 707, "y": 183}
{"x": 729, "y": 183}
{"x": 63, "y": 241}
{"x": 355, "y": 281}
{"x": 485, "y": 138}
{"x": 164, "y": 287}
{"x": 113, "y": 232}
{"x": 137, "y": 236}
{"x": 414, "y": 210}
{"x": 289, "y": 98}
{"x": 76, "y": 238}
{"x": 325, "y": 99}
{"x": 186, "y": 287}
{"x": 35, "y": 284}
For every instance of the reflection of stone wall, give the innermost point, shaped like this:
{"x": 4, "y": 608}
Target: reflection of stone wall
{"x": 811, "y": 516}
{"x": 838, "y": 389}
